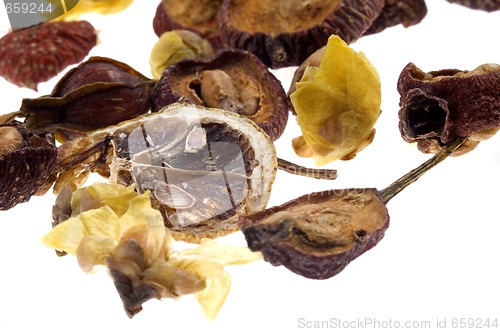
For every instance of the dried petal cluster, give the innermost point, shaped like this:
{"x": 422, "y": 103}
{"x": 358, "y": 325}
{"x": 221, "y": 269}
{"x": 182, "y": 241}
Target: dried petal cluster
{"x": 113, "y": 226}
{"x": 37, "y": 54}
{"x": 337, "y": 104}
{"x": 439, "y": 106}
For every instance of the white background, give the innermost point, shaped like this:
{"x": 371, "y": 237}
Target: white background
{"x": 438, "y": 260}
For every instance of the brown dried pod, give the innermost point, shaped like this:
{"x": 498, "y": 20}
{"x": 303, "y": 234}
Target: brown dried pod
{"x": 27, "y": 163}
{"x": 98, "y": 93}
{"x": 197, "y": 16}
{"x": 487, "y": 5}
{"x": 37, "y": 54}
{"x": 319, "y": 234}
{"x": 405, "y": 12}
{"x": 233, "y": 80}
{"x": 284, "y": 33}
{"x": 439, "y": 106}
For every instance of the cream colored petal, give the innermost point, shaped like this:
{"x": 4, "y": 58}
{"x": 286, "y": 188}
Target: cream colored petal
{"x": 93, "y": 251}
{"x": 115, "y": 196}
{"x": 66, "y": 236}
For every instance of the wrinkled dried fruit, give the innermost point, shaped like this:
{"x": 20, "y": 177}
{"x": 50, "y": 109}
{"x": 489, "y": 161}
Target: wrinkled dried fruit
{"x": 405, "y": 12}
{"x": 27, "y": 163}
{"x": 114, "y": 226}
{"x": 37, "y": 54}
{"x": 337, "y": 105}
{"x": 232, "y": 80}
{"x": 487, "y": 5}
{"x": 176, "y": 45}
{"x": 98, "y": 93}
{"x": 94, "y": 6}
{"x": 319, "y": 234}
{"x": 195, "y": 15}
{"x": 204, "y": 167}
{"x": 285, "y": 32}
{"x": 439, "y": 106}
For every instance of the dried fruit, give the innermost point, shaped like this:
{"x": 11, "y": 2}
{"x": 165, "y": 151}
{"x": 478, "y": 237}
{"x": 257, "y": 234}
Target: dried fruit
{"x": 438, "y": 106}
{"x": 114, "y": 226}
{"x": 204, "y": 167}
{"x": 284, "y": 33}
{"x": 197, "y": 16}
{"x": 176, "y": 45}
{"x": 105, "y": 7}
{"x": 27, "y": 164}
{"x": 337, "y": 105}
{"x": 319, "y": 234}
{"x": 487, "y": 5}
{"x": 232, "y": 80}
{"x": 37, "y": 54}
{"x": 98, "y": 93}
{"x": 405, "y": 12}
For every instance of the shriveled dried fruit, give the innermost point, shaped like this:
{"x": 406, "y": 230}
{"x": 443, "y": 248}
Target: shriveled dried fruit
{"x": 204, "y": 167}
{"x": 27, "y": 163}
{"x": 233, "y": 80}
{"x": 29, "y": 57}
{"x": 284, "y": 33}
{"x": 438, "y": 106}
{"x": 405, "y": 12}
{"x": 98, "y": 93}
{"x": 318, "y": 235}
{"x": 487, "y": 5}
{"x": 176, "y": 45}
{"x": 195, "y": 15}
{"x": 337, "y": 105}
{"x": 113, "y": 226}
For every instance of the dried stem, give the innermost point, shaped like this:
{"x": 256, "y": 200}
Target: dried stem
{"x": 323, "y": 174}
{"x": 397, "y": 186}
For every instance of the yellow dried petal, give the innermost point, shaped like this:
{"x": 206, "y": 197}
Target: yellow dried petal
{"x": 93, "y": 251}
{"x": 100, "y": 222}
{"x": 337, "y": 103}
{"x": 102, "y": 7}
{"x": 116, "y": 196}
{"x": 65, "y": 236}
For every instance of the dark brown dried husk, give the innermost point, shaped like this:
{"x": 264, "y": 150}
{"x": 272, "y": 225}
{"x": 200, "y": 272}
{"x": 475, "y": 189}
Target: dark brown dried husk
{"x": 188, "y": 19}
{"x": 98, "y": 93}
{"x": 405, "y": 12}
{"x": 181, "y": 82}
{"x": 318, "y": 235}
{"x": 438, "y": 106}
{"x": 279, "y": 46}
{"x": 487, "y": 5}
{"x": 28, "y": 170}
{"x": 37, "y": 54}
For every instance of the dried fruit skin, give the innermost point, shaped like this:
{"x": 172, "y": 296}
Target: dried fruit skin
{"x": 318, "y": 235}
{"x": 439, "y": 106}
{"x": 232, "y": 80}
{"x": 284, "y": 33}
{"x": 405, "y": 12}
{"x": 99, "y": 92}
{"x": 37, "y": 54}
{"x": 27, "y": 167}
{"x": 487, "y": 5}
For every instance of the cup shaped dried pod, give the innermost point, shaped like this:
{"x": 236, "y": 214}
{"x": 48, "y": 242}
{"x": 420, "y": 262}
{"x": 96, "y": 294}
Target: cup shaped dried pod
{"x": 233, "y": 80}
{"x": 438, "y": 106}
{"x": 98, "y": 93}
{"x": 284, "y": 33}
{"x": 405, "y": 12}
{"x": 27, "y": 164}
{"x": 195, "y": 15}
{"x": 203, "y": 167}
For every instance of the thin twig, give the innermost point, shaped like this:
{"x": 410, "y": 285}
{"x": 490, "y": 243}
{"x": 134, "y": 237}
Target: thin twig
{"x": 397, "y": 186}
{"x": 323, "y": 174}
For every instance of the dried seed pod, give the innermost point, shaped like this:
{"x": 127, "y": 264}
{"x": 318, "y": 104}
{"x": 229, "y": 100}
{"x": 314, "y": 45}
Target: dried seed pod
{"x": 232, "y": 80}
{"x": 98, "y": 93}
{"x": 27, "y": 163}
{"x": 197, "y": 16}
{"x": 405, "y": 12}
{"x": 176, "y": 45}
{"x": 284, "y": 33}
{"x": 319, "y": 234}
{"x": 439, "y": 106}
{"x": 37, "y": 54}
{"x": 487, "y": 5}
